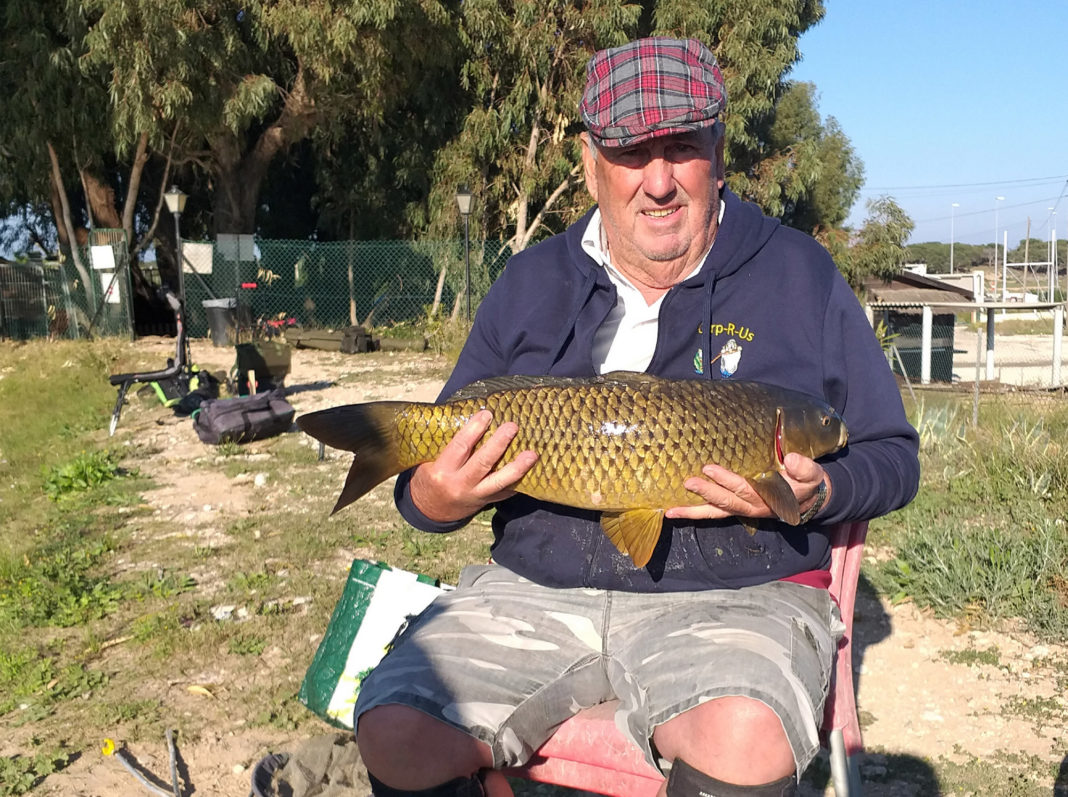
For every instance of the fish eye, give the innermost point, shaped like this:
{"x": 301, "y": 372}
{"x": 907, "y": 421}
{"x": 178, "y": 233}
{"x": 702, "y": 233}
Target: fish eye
{"x": 825, "y": 420}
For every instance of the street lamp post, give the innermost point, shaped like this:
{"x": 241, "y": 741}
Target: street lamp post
{"x": 176, "y": 204}
{"x": 463, "y": 202}
{"x": 1051, "y": 259}
{"x": 952, "y": 220}
{"x": 996, "y": 207}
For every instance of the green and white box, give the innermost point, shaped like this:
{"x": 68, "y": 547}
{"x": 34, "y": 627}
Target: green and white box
{"x": 376, "y": 602}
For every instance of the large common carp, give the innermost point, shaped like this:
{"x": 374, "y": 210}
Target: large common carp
{"x": 622, "y": 443}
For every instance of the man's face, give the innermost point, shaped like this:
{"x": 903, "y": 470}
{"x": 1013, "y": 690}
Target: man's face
{"x": 659, "y": 202}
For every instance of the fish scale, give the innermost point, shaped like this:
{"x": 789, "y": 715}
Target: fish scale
{"x": 623, "y": 443}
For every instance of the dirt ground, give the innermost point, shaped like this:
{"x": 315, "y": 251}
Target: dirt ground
{"x": 925, "y": 699}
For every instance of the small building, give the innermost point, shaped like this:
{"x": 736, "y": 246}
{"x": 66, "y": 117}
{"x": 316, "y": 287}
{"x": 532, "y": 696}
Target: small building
{"x": 900, "y": 304}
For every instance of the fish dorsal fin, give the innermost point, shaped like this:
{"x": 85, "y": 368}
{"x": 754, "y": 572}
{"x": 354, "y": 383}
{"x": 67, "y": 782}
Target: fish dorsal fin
{"x": 498, "y": 384}
{"x": 630, "y": 378}
{"x": 775, "y": 491}
{"x": 634, "y": 533}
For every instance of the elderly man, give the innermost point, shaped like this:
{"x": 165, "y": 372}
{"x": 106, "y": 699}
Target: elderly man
{"x": 719, "y": 650}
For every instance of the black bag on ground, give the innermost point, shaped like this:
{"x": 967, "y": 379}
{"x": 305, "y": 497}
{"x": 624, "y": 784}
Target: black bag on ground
{"x": 240, "y": 420}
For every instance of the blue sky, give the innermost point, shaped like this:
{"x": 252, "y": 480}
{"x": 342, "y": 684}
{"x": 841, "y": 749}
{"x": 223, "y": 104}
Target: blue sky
{"x": 949, "y": 101}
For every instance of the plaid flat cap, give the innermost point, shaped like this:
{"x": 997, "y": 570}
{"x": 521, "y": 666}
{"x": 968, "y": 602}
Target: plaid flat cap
{"x": 651, "y": 87}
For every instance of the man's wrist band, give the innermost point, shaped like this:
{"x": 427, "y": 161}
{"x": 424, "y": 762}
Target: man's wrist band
{"x": 821, "y": 498}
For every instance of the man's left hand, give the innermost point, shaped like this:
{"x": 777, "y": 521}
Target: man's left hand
{"x": 726, "y": 494}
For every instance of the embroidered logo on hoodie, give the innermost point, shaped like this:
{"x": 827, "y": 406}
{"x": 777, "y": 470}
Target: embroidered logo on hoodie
{"x": 729, "y": 356}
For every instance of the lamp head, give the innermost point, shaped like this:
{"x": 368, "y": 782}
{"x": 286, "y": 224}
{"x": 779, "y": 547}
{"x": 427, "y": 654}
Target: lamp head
{"x": 175, "y": 200}
{"x": 463, "y": 200}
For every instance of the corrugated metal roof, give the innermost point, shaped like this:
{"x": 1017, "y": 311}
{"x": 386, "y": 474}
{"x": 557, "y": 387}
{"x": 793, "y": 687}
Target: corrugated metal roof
{"x": 912, "y": 296}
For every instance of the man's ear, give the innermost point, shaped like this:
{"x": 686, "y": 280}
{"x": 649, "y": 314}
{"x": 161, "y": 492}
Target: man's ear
{"x": 589, "y": 163}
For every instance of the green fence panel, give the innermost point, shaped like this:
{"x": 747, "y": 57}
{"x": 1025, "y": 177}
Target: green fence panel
{"x": 315, "y": 284}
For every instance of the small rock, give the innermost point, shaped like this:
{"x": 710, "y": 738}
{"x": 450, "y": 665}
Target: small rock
{"x": 222, "y": 612}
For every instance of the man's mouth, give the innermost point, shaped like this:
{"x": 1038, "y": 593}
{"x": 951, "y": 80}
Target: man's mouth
{"x": 659, "y": 213}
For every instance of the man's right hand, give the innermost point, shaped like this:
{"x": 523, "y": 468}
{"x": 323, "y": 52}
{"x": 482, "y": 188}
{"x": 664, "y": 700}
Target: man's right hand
{"x": 462, "y": 480}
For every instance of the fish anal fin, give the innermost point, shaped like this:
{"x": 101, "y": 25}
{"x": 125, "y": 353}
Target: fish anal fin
{"x": 775, "y": 491}
{"x": 635, "y": 532}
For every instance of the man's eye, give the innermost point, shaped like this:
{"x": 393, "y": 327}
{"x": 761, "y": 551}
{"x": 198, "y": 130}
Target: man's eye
{"x": 681, "y": 151}
{"x": 630, "y": 156}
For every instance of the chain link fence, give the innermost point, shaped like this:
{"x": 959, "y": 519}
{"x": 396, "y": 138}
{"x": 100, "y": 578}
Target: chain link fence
{"x": 69, "y": 299}
{"x": 334, "y": 284}
{"x": 301, "y": 283}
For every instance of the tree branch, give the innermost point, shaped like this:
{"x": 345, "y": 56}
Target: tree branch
{"x": 524, "y": 241}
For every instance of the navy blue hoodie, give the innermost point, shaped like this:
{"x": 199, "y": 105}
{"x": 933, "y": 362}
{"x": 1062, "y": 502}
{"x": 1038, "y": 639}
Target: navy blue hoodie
{"x": 768, "y": 301}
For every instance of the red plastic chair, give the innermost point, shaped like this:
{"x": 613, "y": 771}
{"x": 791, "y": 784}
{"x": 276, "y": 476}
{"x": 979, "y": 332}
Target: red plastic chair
{"x": 588, "y": 751}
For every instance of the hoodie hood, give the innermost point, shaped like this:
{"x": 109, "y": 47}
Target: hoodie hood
{"x": 742, "y": 233}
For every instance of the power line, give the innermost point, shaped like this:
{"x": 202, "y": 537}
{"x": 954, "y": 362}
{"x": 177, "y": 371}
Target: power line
{"x": 987, "y": 211}
{"x": 943, "y": 186}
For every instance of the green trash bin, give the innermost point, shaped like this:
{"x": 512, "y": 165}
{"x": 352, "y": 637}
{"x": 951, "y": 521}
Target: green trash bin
{"x": 222, "y": 321}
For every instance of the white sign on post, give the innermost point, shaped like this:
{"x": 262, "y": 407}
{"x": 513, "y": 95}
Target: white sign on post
{"x": 103, "y": 257}
{"x": 196, "y": 258}
{"x": 109, "y": 287}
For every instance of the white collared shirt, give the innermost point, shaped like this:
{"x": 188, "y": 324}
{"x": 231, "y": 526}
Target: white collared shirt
{"x": 627, "y": 338}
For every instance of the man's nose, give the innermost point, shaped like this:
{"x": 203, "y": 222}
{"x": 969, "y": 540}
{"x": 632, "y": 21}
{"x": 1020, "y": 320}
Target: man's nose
{"x": 658, "y": 177}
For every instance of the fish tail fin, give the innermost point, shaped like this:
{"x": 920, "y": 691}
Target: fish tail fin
{"x": 367, "y": 430}
{"x": 634, "y": 533}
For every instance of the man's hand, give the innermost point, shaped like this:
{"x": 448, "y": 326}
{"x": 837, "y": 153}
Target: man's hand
{"x": 462, "y": 479}
{"x": 726, "y": 494}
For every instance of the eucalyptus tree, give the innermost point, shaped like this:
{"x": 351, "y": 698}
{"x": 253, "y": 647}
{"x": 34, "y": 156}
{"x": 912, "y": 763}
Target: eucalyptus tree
{"x": 878, "y": 249}
{"x": 822, "y": 202}
{"x": 524, "y": 75}
{"x": 50, "y": 121}
{"x": 244, "y": 82}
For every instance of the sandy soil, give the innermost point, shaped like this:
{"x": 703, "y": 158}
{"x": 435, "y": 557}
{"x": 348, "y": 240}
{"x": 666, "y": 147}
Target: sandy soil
{"x": 918, "y": 703}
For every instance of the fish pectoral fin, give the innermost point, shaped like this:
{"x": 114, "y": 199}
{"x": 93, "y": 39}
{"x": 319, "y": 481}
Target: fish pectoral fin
{"x": 635, "y": 532}
{"x": 772, "y": 487}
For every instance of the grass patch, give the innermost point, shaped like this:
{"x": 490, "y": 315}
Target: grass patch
{"x": 971, "y": 657}
{"x": 19, "y": 774}
{"x": 87, "y": 470}
{"x": 986, "y": 536}
{"x": 1006, "y": 775}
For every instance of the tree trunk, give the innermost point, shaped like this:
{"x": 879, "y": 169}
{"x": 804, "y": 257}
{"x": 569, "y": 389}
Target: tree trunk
{"x": 101, "y": 199}
{"x": 72, "y": 239}
{"x": 352, "y": 286}
{"x": 239, "y": 176}
{"x": 438, "y": 291}
{"x": 137, "y": 169}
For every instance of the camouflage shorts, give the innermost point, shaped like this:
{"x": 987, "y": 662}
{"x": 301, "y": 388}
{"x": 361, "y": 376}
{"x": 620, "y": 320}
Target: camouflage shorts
{"x": 507, "y": 660}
